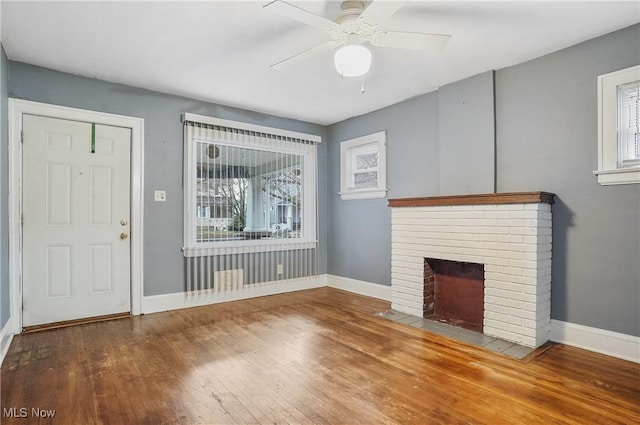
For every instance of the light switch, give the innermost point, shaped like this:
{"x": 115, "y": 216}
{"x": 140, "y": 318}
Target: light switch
{"x": 160, "y": 195}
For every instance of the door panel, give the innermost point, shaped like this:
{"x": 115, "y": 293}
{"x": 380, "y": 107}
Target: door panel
{"x": 75, "y": 195}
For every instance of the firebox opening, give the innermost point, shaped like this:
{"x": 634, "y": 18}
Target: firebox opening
{"x": 454, "y": 293}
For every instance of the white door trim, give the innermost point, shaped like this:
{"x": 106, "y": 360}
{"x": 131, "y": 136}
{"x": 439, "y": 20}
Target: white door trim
{"x": 17, "y": 108}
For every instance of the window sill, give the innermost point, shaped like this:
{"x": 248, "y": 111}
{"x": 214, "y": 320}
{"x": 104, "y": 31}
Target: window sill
{"x": 618, "y": 176}
{"x": 246, "y": 247}
{"x": 364, "y": 194}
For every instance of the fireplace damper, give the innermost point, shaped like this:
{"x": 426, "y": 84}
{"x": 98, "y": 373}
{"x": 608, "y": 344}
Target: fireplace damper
{"x": 454, "y": 292}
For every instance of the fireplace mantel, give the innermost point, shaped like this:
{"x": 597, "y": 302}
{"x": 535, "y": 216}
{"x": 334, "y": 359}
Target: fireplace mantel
{"x": 479, "y": 199}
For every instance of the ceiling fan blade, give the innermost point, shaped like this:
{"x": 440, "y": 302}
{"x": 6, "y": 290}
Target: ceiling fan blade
{"x": 410, "y": 40}
{"x": 307, "y": 54}
{"x": 379, "y": 11}
{"x": 301, "y": 15}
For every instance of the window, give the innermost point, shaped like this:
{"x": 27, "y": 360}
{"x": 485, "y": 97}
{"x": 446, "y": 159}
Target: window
{"x": 247, "y": 187}
{"x": 618, "y": 122}
{"x": 363, "y": 167}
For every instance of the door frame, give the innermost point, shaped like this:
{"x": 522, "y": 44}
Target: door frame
{"x": 18, "y": 108}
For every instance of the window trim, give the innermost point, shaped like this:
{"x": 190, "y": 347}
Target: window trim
{"x": 348, "y": 149}
{"x": 192, "y": 248}
{"x": 609, "y": 172}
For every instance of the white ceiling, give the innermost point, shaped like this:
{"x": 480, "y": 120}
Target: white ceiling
{"x": 220, "y": 51}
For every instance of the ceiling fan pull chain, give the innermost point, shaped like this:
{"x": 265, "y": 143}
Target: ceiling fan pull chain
{"x": 93, "y": 138}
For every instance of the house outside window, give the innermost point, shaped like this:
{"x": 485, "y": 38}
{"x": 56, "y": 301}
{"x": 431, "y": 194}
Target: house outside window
{"x": 618, "y": 127}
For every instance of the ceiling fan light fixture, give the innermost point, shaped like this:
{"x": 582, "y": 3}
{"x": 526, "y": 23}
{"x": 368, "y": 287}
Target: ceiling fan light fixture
{"x": 353, "y": 60}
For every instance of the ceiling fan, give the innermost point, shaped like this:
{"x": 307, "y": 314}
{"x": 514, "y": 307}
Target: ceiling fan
{"x": 350, "y": 28}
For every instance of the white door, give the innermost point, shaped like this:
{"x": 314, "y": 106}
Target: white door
{"x": 76, "y": 212}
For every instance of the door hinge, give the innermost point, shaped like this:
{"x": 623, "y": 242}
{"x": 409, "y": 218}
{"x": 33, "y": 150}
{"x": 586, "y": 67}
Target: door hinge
{"x": 22, "y": 219}
{"x": 21, "y": 136}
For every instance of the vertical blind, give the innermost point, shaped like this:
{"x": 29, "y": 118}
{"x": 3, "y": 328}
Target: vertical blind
{"x": 250, "y": 205}
{"x": 629, "y": 123}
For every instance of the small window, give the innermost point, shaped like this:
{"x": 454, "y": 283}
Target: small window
{"x": 363, "y": 167}
{"x": 618, "y": 122}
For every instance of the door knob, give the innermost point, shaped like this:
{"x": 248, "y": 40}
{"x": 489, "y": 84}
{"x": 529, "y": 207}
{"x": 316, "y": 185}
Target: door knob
{"x": 124, "y": 236}
{"x": 123, "y": 222}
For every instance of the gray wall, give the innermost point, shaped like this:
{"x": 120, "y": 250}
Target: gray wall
{"x": 4, "y": 193}
{"x": 547, "y": 140}
{"x": 467, "y": 136}
{"x": 359, "y": 244}
{"x": 163, "y": 259}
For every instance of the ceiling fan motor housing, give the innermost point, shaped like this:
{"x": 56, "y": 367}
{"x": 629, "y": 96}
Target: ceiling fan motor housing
{"x": 349, "y": 14}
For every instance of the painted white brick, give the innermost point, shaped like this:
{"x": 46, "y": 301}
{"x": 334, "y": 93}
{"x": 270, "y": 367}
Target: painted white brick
{"x": 510, "y": 207}
{"x": 527, "y": 306}
{"x": 413, "y": 292}
{"x": 524, "y": 264}
{"x": 533, "y": 342}
{"x": 503, "y": 302}
{"x": 537, "y": 207}
{"x": 544, "y": 231}
{"x": 513, "y": 222}
{"x": 530, "y": 332}
{"x": 545, "y": 215}
{"x": 508, "y": 270}
{"x": 526, "y": 315}
{"x": 504, "y": 286}
{"x": 407, "y": 275}
{"x": 398, "y": 264}
{"x": 405, "y": 297}
{"x": 524, "y": 231}
{"x": 488, "y": 207}
{"x": 507, "y": 239}
{"x": 503, "y": 334}
{"x": 509, "y": 320}
{"x": 497, "y": 308}
{"x": 510, "y": 295}
{"x": 526, "y": 214}
{"x": 499, "y": 230}
{"x": 510, "y": 238}
{"x": 406, "y": 284}
{"x": 501, "y": 246}
{"x": 462, "y": 207}
{"x": 410, "y": 304}
{"x": 496, "y": 324}
{"x": 497, "y": 214}
{"x": 537, "y": 256}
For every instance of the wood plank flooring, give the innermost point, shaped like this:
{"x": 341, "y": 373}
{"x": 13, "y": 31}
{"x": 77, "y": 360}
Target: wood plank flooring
{"x": 321, "y": 356}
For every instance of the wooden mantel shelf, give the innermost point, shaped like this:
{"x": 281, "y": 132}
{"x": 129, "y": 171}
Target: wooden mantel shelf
{"x": 481, "y": 199}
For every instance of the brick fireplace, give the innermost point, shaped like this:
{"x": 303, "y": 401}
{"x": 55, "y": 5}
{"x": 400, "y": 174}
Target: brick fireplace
{"x": 508, "y": 234}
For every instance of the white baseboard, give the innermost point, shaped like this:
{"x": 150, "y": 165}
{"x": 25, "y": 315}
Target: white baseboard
{"x": 361, "y": 287}
{"x": 6, "y": 336}
{"x": 614, "y": 344}
{"x": 166, "y": 302}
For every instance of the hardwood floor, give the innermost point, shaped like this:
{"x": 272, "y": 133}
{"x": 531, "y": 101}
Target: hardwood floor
{"x": 312, "y": 357}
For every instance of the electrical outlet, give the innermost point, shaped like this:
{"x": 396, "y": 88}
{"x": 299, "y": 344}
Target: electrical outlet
{"x": 280, "y": 269}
